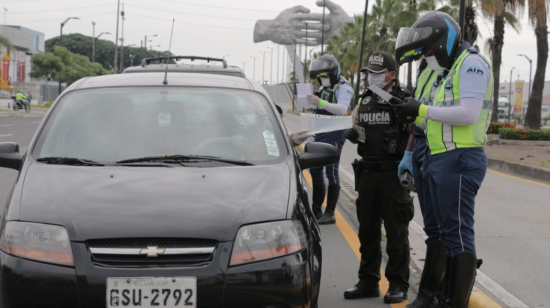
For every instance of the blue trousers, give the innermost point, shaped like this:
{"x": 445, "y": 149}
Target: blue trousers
{"x": 455, "y": 177}
{"x": 420, "y": 162}
{"x": 336, "y": 139}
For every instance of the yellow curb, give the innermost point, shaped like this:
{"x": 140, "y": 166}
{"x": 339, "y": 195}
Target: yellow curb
{"x": 478, "y": 299}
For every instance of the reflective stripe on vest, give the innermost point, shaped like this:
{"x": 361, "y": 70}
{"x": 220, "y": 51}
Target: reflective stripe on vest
{"x": 445, "y": 137}
{"x": 427, "y": 79}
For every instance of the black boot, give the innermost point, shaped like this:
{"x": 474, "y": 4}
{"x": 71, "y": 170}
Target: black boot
{"x": 432, "y": 275}
{"x": 319, "y": 193}
{"x": 332, "y": 199}
{"x": 461, "y": 280}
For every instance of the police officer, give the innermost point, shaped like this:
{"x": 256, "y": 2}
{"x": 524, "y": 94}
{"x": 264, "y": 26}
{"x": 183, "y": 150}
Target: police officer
{"x": 382, "y": 198}
{"x": 416, "y": 161}
{"x": 334, "y": 97}
{"x": 456, "y": 127}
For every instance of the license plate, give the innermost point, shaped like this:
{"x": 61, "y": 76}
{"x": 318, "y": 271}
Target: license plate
{"x": 152, "y": 292}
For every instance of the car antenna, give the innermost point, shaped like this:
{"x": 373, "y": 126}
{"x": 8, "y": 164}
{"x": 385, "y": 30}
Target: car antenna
{"x": 165, "y": 82}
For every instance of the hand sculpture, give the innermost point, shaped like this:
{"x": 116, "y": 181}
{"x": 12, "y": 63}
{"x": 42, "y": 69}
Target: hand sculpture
{"x": 335, "y": 19}
{"x": 286, "y": 28}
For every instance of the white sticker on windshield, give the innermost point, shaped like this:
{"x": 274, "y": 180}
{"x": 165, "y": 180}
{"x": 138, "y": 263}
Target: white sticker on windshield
{"x": 271, "y": 144}
{"x": 164, "y": 119}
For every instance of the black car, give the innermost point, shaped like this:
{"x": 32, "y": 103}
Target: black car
{"x": 148, "y": 66}
{"x": 137, "y": 194}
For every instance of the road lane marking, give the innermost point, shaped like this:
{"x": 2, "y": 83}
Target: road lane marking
{"x": 520, "y": 179}
{"x": 287, "y": 95}
{"x": 6, "y": 125}
{"x": 353, "y": 240}
{"x": 6, "y": 135}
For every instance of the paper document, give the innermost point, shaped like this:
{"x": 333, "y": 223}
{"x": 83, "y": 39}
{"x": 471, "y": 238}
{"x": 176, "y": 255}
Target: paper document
{"x": 316, "y": 123}
{"x": 361, "y": 131}
{"x": 303, "y": 90}
{"x": 383, "y": 94}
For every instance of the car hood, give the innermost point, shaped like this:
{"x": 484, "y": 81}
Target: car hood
{"x": 119, "y": 202}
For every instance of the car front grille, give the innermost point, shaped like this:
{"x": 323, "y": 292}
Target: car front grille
{"x": 124, "y": 252}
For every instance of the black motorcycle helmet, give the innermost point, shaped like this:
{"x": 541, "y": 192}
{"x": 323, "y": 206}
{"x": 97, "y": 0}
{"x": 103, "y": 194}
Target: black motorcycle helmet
{"x": 437, "y": 31}
{"x": 325, "y": 65}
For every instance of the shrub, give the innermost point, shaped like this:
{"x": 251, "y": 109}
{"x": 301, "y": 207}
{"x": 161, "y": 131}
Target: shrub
{"x": 494, "y": 127}
{"x": 524, "y": 134}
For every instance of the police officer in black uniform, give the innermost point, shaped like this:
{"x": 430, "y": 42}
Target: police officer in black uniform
{"x": 382, "y": 198}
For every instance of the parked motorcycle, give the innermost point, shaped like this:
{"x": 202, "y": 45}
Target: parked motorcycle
{"x": 23, "y": 104}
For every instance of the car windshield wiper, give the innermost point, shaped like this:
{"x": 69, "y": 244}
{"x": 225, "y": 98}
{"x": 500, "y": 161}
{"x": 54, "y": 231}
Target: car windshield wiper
{"x": 69, "y": 161}
{"x": 179, "y": 158}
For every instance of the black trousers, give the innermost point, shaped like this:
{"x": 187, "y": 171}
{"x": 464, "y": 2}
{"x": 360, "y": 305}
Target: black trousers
{"x": 382, "y": 199}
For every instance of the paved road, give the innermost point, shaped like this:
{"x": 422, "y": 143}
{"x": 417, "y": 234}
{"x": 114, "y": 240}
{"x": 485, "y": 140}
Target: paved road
{"x": 512, "y": 234}
{"x": 511, "y": 230}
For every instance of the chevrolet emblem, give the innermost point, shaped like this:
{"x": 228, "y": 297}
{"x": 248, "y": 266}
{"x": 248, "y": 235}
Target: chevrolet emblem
{"x": 152, "y": 251}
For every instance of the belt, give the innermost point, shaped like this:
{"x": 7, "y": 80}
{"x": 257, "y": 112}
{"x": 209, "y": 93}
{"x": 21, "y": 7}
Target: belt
{"x": 382, "y": 165}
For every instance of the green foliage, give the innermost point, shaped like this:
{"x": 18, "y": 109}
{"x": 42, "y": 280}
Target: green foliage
{"x": 104, "y": 50}
{"x": 5, "y": 42}
{"x": 521, "y": 134}
{"x": 495, "y": 127}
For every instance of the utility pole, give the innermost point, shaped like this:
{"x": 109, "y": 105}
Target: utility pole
{"x": 357, "y": 94}
{"x": 283, "y": 68}
{"x": 271, "y": 69}
{"x": 510, "y": 98}
{"x": 115, "y": 70}
{"x": 122, "y": 40}
{"x": 305, "y": 53}
{"x": 93, "y": 41}
{"x": 263, "y": 69}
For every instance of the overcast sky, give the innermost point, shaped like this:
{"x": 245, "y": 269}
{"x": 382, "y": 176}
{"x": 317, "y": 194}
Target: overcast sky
{"x": 215, "y": 27}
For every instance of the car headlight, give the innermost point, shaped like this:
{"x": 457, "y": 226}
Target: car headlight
{"x": 267, "y": 240}
{"x": 46, "y": 243}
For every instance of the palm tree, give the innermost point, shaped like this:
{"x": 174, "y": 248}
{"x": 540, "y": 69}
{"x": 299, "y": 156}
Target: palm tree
{"x": 538, "y": 16}
{"x": 6, "y": 43}
{"x": 501, "y": 11}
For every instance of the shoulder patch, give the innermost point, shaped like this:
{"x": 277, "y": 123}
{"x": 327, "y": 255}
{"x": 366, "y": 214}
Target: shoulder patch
{"x": 475, "y": 70}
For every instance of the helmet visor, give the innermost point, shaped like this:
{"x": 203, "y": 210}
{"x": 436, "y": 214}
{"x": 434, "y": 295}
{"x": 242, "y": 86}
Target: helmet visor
{"x": 402, "y": 37}
{"x": 321, "y": 67}
{"x": 408, "y": 36}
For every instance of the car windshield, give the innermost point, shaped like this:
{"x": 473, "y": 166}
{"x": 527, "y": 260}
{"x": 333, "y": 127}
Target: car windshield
{"x": 114, "y": 124}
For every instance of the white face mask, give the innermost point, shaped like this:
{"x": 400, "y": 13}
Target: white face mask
{"x": 378, "y": 80}
{"x": 433, "y": 64}
{"x": 325, "y": 82}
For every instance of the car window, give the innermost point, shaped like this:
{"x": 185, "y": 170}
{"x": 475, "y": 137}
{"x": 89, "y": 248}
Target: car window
{"x": 123, "y": 123}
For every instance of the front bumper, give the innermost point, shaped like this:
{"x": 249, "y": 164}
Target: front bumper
{"x": 281, "y": 282}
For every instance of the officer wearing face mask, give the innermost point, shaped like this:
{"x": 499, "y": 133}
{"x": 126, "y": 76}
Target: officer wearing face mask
{"x": 334, "y": 98}
{"x": 456, "y": 124}
{"x": 382, "y": 198}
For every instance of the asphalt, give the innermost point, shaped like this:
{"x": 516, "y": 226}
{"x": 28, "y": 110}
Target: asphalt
{"x": 511, "y": 231}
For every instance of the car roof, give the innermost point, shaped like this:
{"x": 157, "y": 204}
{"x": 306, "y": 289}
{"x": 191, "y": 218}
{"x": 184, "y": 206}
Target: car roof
{"x": 156, "y": 79}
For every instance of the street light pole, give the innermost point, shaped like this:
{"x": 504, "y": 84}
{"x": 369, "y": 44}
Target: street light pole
{"x": 93, "y": 41}
{"x": 145, "y": 42}
{"x": 254, "y": 69}
{"x": 305, "y": 53}
{"x": 122, "y": 40}
{"x": 278, "y": 57}
{"x": 530, "y": 68}
{"x": 131, "y": 59}
{"x": 263, "y": 68}
{"x": 115, "y": 70}
{"x": 271, "y": 69}
{"x": 361, "y": 52}
{"x": 510, "y": 98}
{"x": 323, "y": 30}
{"x": 60, "y": 44}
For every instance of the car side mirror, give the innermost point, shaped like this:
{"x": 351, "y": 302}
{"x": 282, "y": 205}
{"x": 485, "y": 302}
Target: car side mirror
{"x": 318, "y": 154}
{"x": 9, "y": 156}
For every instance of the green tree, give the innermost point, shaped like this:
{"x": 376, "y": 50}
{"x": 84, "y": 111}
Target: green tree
{"x": 6, "y": 43}
{"x": 538, "y": 16}
{"x": 104, "y": 50}
{"x": 46, "y": 65}
{"x": 501, "y": 11}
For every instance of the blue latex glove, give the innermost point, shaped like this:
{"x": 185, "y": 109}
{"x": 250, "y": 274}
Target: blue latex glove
{"x": 406, "y": 163}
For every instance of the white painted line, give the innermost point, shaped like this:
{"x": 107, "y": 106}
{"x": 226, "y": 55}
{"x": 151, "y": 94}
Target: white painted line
{"x": 6, "y": 125}
{"x": 6, "y": 135}
{"x": 499, "y": 292}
